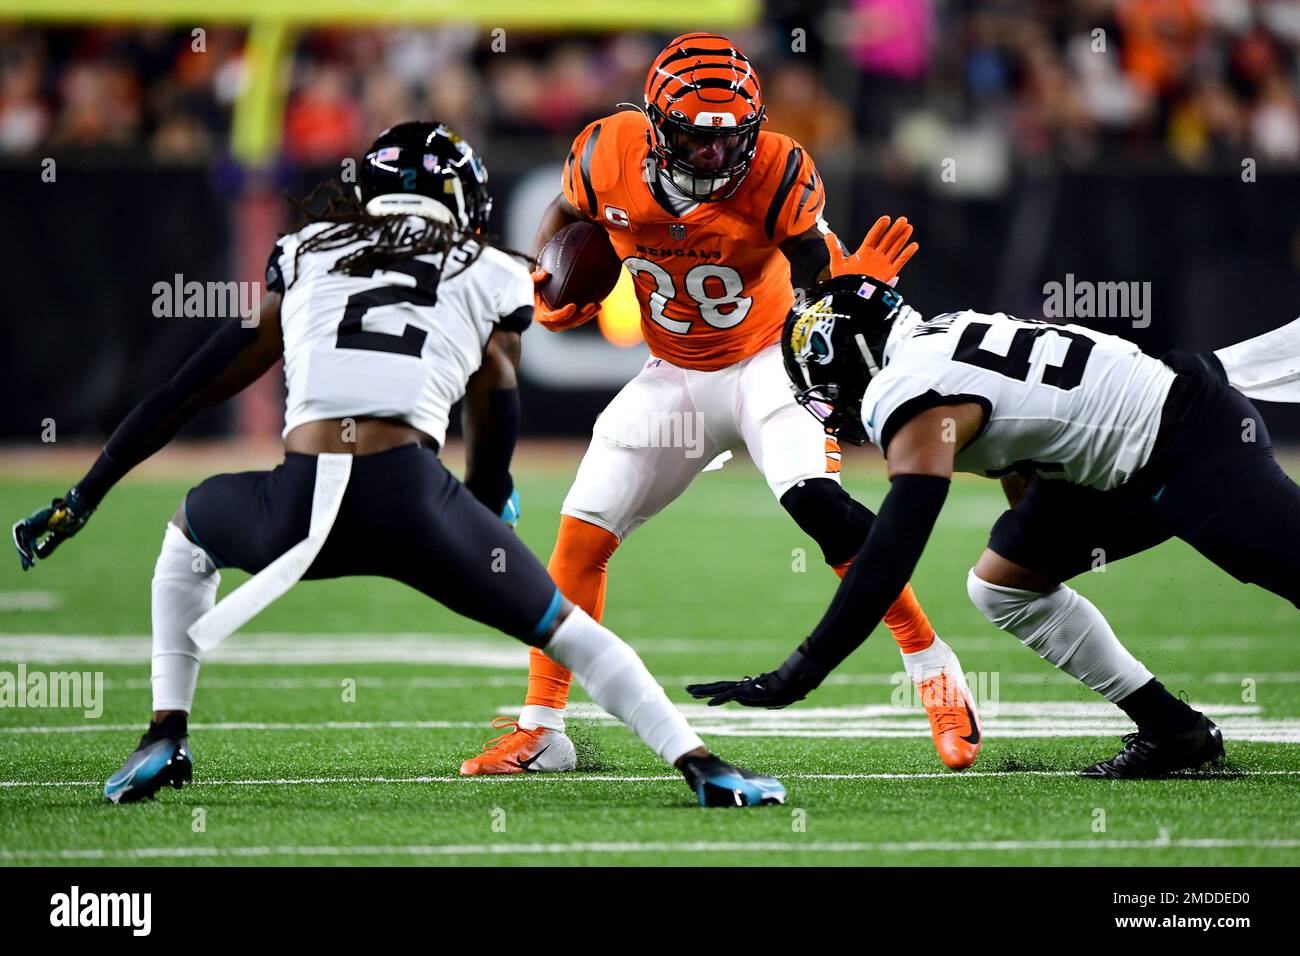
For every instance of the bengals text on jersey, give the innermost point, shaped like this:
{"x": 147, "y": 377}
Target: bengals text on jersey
{"x": 713, "y": 286}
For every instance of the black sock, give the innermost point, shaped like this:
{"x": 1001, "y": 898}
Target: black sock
{"x": 175, "y": 724}
{"x": 1153, "y": 708}
{"x": 694, "y": 768}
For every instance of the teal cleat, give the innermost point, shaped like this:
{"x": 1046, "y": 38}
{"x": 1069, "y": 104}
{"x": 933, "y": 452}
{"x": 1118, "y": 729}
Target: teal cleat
{"x": 719, "y": 784}
{"x": 160, "y": 759}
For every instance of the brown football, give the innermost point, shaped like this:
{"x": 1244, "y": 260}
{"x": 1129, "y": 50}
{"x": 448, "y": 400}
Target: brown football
{"x": 582, "y": 263}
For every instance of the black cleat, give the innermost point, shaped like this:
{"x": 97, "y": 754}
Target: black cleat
{"x": 162, "y": 758}
{"x": 1147, "y": 755}
{"x": 718, "y": 784}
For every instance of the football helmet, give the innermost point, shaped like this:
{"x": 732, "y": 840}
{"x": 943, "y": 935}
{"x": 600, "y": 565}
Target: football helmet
{"x": 705, "y": 106}
{"x": 835, "y": 345}
{"x": 425, "y": 169}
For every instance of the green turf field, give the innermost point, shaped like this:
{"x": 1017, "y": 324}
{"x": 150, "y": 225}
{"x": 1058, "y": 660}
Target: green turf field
{"x": 290, "y": 770}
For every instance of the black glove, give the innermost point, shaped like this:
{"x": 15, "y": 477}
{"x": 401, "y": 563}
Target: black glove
{"x": 792, "y": 681}
{"x": 61, "y": 520}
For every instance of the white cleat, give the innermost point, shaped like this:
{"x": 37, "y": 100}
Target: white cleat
{"x": 522, "y": 751}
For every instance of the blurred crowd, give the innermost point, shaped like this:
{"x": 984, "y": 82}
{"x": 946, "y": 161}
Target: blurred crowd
{"x": 1195, "y": 82}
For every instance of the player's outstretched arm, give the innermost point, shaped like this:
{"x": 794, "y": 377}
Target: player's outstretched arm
{"x": 490, "y": 420}
{"x": 920, "y": 457}
{"x": 225, "y": 364}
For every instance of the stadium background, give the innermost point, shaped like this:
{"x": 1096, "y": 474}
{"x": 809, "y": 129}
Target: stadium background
{"x": 1114, "y": 166}
{"x": 1126, "y": 163}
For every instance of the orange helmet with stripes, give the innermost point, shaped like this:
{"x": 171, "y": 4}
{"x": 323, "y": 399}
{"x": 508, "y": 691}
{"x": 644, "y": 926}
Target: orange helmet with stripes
{"x": 705, "y": 104}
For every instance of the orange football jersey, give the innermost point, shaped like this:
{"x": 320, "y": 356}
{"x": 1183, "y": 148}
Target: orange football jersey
{"x": 712, "y": 284}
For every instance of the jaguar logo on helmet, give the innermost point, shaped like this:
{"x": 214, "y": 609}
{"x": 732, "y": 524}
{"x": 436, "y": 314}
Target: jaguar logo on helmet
{"x": 834, "y": 348}
{"x": 811, "y": 337}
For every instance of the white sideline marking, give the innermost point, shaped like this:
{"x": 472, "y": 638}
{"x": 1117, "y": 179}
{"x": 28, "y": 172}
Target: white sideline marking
{"x": 1010, "y": 720}
{"x": 245, "y": 725}
{"x": 1013, "y": 720}
{"x": 1025, "y": 708}
{"x": 281, "y": 648}
{"x": 519, "y": 681}
{"x": 469, "y": 650}
{"x": 1161, "y": 842}
{"x": 612, "y": 778}
{"x": 670, "y": 680}
{"x": 30, "y": 601}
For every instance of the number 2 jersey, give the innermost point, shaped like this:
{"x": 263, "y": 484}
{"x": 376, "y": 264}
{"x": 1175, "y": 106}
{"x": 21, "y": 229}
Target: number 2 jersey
{"x": 713, "y": 286}
{"x": 400, "y": 343}
{"x": 1060, "y": 401}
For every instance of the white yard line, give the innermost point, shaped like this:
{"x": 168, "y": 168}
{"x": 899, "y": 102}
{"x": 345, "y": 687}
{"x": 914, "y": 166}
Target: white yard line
{"x": 30, "y": 601}
{"x": 254, "y": 725}
{"x": 1009, "y": 720}
{"x": 494, "y": 651}
{"x": 612, "y": 778}
{"x": 462, "y": 650}
{"x": 519, "y": 680}
{"x": 1161, "y": 842}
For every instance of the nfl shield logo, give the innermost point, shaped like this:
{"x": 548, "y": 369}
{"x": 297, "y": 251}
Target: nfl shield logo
{"x": 430, "y": 162}
{"x": 677, "y": 231}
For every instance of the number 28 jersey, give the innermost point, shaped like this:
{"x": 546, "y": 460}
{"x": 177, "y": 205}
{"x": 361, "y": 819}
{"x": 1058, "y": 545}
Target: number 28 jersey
{"x": 1060, "y": 401}
{"x": 713, "y": 284}
{"x": 400, "y": 343}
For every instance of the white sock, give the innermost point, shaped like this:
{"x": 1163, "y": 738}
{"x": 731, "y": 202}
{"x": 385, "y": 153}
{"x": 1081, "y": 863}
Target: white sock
{"x": 614, "y": 676}
{"x": 181, "y": 595}
{"x": 922, "y": 665}
{"x": 536, "y": 715}
{"x": 1063, "y": 627}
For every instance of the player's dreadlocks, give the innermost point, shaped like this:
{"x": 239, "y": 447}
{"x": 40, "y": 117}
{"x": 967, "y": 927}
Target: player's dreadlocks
{"x": 392, "y": 238}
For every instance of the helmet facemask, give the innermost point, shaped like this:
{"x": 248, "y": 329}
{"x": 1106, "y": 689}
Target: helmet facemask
{"x": 831, "y": 357}
{"x": 705, "y": 162}
{"x": 705, "y": 106}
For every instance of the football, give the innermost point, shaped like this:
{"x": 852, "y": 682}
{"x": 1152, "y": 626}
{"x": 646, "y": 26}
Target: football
{"x": 582, "y": 263}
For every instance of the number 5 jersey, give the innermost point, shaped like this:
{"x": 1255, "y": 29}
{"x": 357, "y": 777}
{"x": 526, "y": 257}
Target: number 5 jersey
{"x": 1060, "y": 401}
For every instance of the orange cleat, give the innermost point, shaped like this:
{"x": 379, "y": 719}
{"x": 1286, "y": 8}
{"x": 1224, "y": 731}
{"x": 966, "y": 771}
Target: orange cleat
{"x": 954, "y": 725}
{"x": 522, "y": 751}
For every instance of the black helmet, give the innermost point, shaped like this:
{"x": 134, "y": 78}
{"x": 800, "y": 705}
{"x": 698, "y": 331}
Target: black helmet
{"x": 425, "y": 169}
{"x": 834, "y": 345}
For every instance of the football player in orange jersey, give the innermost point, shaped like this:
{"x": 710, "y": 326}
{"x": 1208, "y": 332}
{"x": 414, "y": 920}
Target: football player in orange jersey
{"x": 719, "y": 221}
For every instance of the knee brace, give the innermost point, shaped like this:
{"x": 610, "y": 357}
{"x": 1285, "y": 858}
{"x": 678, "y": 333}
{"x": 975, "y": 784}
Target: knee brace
{"x": 830, "y": 516}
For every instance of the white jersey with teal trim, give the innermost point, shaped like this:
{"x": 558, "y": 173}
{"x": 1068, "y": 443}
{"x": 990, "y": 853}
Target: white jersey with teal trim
{"x": 400, "y": 343}
{"x": 1060, "y": 401}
